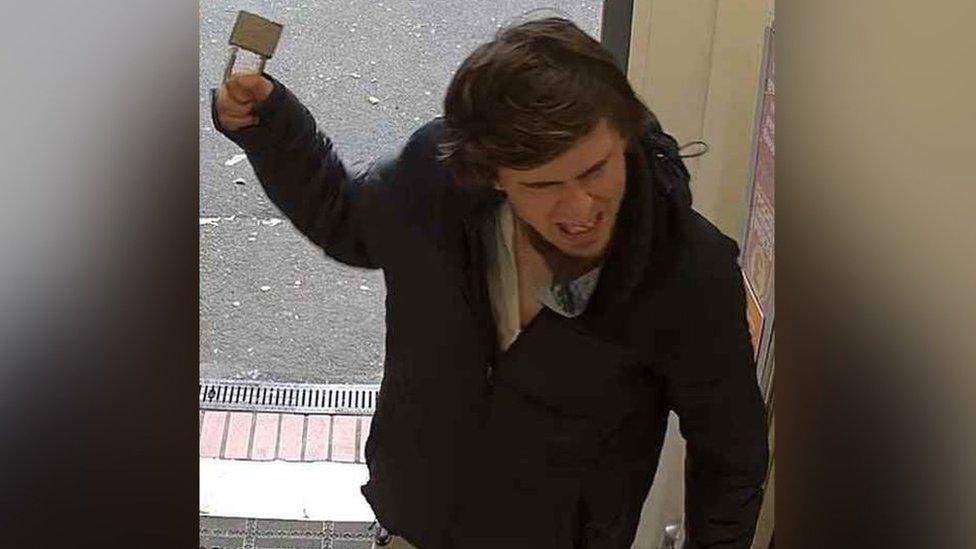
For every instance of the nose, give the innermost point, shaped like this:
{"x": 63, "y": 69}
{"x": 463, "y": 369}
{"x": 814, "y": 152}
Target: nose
{"x": 575, "y": 202}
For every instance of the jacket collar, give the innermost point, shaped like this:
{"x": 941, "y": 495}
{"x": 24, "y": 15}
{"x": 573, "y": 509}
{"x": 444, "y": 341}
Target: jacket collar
{"x": 630, "y": 248}
{"x": 649, "y": 225}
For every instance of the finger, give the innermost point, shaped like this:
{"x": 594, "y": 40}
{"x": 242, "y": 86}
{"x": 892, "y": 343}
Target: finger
{"x": 238, "y": 92}
{"x": 237, "y": 122}
{"x": 226, "y": 100}
{"x": 233, "y": 108}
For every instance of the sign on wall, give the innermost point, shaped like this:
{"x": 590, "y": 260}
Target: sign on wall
{"x": 758, "y": 258}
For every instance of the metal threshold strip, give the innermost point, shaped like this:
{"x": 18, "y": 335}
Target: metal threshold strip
{"x": 295, "y": 398}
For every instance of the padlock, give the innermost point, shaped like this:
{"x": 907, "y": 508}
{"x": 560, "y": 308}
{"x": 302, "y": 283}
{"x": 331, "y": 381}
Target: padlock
{"x": 255, "y": 34}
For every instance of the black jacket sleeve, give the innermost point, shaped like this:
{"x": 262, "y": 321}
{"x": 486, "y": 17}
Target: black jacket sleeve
{"x": 299, "y": 169}
{"x": 722, "y": 417}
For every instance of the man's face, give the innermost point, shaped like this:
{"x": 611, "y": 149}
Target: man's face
{"x": 573, "y": 200}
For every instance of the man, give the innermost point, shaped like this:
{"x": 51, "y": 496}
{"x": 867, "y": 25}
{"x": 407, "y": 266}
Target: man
{"x": 551, "y": 295}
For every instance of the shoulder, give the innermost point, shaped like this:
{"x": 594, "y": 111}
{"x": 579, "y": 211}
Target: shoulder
{"x": 423, "y": 144}
{"x": 701, "y": 283}
{"x": 692, "y": 319}
{"x": 428, "y": 181}
{"x": 426, "y": 196}
{"x": 706, "y": 246}
{"x": 706, "y": 276}
{"x": 414, "y": 167}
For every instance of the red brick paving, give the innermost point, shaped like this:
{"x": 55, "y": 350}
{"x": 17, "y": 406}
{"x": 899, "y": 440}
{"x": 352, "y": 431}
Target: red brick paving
{"x": 265, "y": 437}
{"x": 290, "y": 442}
{"x": 344, "y": 438}
{"x": 289, "y": 437}
{"x": 212, "y": 433}
{"x": 318, "y": 438}
{"x": 238, "y": 435}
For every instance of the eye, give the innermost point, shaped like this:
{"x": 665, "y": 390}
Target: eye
{"x": 598, "y": 170}
{"x": 542, "y": 184}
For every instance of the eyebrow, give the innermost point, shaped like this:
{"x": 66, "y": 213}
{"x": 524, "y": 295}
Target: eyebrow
{"x": 599, "y": 164}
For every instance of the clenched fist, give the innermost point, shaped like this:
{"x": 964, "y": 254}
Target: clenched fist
{"x": 239, "y": 98}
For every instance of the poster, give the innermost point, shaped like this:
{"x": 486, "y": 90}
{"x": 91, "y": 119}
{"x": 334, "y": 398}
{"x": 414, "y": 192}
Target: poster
{"x": 754, "y": 317}
{"x": 758, "y": 258}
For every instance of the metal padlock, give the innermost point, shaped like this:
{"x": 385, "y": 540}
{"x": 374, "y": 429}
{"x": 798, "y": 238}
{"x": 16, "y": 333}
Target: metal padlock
{"x": 255, "y": 34}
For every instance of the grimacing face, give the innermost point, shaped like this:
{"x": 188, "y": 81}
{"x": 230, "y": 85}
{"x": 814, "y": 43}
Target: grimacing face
{"x": 573, "y": 200}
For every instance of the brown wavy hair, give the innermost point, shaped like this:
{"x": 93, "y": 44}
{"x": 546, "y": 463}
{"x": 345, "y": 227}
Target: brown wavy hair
{"x": 528, "y": 95}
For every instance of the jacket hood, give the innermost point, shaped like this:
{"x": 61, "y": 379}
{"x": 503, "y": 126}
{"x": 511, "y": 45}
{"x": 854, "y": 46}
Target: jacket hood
{"x": 649, "y": 225}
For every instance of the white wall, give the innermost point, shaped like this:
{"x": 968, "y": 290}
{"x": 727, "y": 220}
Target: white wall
{"x": 697, "y": 63}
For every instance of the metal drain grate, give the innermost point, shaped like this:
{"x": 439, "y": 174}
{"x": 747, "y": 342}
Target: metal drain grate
{"x": 297, "y": 398}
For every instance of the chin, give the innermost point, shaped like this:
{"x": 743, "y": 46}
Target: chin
{"x": 589, "y": 251}
{"x": 588, "y": 255}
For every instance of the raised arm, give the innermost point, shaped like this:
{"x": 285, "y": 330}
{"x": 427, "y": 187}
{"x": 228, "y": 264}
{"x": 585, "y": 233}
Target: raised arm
{"x": 299, "y": 169}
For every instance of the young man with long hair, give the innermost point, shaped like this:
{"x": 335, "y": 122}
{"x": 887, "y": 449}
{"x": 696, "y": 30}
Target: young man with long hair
{"x": 551, "y": 296}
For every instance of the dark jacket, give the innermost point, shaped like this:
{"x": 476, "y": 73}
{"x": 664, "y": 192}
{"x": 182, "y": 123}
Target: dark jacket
{"x": 553, "y": 443}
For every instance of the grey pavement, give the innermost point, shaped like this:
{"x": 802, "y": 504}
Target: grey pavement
{"x": 272, "y": 306}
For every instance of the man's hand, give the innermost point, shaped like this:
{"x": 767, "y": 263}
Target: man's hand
{"x": 239, "y": 98}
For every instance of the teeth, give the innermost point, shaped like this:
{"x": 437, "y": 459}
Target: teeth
{"x": 577, "y": 229}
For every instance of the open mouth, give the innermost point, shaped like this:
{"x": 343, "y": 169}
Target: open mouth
{"x": 576, "y": 231}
